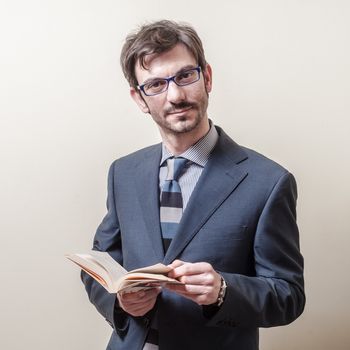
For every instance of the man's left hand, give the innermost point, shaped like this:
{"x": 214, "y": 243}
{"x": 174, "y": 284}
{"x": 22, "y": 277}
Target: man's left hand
{"x": 201, "y": 282}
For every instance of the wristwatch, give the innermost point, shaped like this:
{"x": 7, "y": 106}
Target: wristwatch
{"x": 222, "y": 292}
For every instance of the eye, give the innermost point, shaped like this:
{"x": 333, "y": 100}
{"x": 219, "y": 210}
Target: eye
{"x": 184, "y": 75}
{"x": 155, "y": 85}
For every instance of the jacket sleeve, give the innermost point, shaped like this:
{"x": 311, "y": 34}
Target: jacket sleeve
{"x": 108, "y": 239}
{"x": 275, "y": 295}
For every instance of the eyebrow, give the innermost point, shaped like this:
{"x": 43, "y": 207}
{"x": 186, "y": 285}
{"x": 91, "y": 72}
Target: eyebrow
{"x": 183, "y": 69}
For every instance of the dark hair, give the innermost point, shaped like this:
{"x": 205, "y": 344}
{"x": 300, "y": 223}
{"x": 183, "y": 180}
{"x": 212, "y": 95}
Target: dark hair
{"x": 158, "y": 37}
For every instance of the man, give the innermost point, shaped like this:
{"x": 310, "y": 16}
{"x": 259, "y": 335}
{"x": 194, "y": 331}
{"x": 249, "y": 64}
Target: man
{"x": 222, "y": 216}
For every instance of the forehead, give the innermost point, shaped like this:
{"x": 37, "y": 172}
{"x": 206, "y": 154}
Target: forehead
{"x": 165, "y": 64}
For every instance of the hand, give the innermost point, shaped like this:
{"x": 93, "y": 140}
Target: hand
{"x": 138, "y": 303}
{"x": 202, "y": 282}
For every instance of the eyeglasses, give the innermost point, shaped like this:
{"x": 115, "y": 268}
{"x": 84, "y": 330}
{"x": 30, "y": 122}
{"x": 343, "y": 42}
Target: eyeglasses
{"x": 157, "y": 86}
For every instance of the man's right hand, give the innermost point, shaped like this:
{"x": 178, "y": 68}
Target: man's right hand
{"x": 138, "y": 303}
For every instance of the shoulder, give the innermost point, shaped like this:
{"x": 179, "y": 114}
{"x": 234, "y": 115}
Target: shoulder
{"x": 133, "y": 159}
{"x": 262, "y": 163}
{"x": 255, "y": 163}
{"x": 263, "y": 176}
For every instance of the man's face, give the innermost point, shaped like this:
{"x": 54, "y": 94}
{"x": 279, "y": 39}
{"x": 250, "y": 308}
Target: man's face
{"x": 180, "y": 109}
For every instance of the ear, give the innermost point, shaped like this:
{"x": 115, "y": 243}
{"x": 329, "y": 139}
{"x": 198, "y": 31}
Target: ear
{"x": 136, "y": 96}
{"x": 208, "y": 78}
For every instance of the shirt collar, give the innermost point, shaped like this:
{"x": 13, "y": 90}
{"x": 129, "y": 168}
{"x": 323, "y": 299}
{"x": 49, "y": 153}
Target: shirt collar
{"x": 198, "y": 153}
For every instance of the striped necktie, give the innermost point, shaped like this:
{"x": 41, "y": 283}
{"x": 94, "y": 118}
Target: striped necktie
{"x": 171, "y": 204}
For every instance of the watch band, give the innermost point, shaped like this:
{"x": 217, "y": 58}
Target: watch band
{"x": 222, "y": 292}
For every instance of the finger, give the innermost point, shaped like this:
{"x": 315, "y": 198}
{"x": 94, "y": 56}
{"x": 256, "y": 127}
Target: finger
{"x": 138, "y": 307}
{"x": 176, "y": 263}
{"x": 151, "y": 294}
{"x": 131, "y": 296}
{"x": 190, "y": 289}
{"x": 173, "y": 265}
{"x": 206, "y": 279}
{"x": 145, "y": 305}
{"x": 140, "y": 296}
{"x": 141, "y": 293}
{"x": 198, "y": 296}
{"x": 196, "y": 293}
{"x": 140, "y": 310}
{"x": 191, "y": 269}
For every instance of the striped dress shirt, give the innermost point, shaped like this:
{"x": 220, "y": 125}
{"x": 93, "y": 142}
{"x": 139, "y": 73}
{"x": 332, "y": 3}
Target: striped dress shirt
{"x": 198, "y": 154}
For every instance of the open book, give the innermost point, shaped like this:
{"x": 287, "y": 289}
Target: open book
{"x": 115, "y": 279}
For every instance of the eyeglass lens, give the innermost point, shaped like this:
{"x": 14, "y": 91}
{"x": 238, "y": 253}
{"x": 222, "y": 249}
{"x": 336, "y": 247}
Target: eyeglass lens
{"x": 160, "y": 85}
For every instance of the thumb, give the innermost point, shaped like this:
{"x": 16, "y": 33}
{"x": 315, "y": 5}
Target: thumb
{"x": 176, "y": 263}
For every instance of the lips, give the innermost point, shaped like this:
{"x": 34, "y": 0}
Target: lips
{"x": 180, "y": 111}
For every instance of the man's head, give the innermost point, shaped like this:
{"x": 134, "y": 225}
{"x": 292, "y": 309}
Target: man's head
{"x": 156, "y": 38}
{"x": 169, "y": 78}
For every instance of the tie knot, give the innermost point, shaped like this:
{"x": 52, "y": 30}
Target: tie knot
{"x": 175, "y": 168}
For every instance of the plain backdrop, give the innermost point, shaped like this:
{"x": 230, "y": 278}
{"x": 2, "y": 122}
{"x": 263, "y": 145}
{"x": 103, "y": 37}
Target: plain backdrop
{"x": 281, "y": 86}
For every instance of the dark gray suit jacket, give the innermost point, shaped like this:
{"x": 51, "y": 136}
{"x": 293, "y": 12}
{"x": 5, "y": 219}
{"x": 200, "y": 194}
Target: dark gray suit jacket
{"x": 240, "y": 218}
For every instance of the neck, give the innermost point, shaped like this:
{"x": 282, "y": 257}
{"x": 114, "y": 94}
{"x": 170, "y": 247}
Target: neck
{"x": 180, "y": 142}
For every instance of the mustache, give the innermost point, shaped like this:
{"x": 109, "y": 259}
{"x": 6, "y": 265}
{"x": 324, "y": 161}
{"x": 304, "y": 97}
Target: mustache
{"x": 175, "y": 107}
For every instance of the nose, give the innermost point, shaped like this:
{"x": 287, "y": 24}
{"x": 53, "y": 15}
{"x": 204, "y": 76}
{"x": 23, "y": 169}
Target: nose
{"x": 175, "y": 93}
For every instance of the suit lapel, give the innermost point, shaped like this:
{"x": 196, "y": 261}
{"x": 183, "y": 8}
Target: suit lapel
{"x": 220, "y": 177}
{"x": 147, "y": 184}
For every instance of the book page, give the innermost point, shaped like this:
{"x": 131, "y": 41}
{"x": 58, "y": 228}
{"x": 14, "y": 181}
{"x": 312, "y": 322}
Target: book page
{"x": 114, "y": 269}
{"x": 101, "y": 266}
{"x": 157, "y": 269}
{"x": 96, "y": 270}
{"x": 148, "y": 276}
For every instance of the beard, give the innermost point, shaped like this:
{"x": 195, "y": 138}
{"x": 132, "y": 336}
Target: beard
{"x": 191, "y": 115}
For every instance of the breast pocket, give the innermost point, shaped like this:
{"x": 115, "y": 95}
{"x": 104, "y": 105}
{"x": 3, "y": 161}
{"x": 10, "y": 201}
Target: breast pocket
{"x": 219, "y": 240}
{"x": 224, "y": 233}
{"x": 222, "y": 246}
